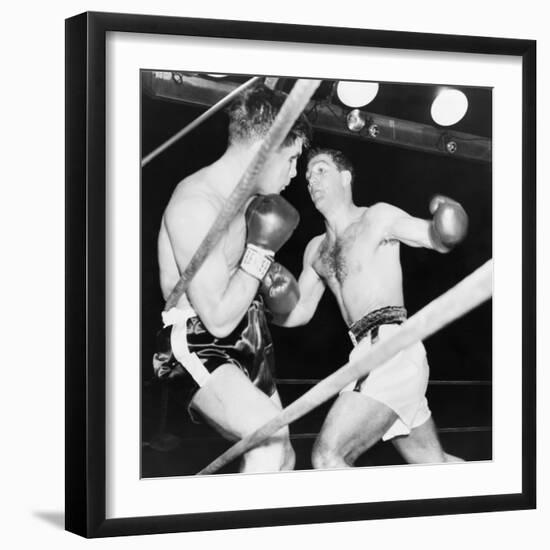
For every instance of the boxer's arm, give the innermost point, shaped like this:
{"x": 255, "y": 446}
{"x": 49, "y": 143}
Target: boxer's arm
{"x": 219, "y": 297}
{"x": 447, "y": 228}
{"x": 411, "y": 231}
{"x": 311, "y": 288}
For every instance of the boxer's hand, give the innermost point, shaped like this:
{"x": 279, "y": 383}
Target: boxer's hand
{"x": 280, "y": 290}
{"x": 270, "y": 221}
{"x": 449, "y": 225}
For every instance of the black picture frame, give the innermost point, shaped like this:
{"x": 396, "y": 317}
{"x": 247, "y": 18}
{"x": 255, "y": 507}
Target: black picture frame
{"x": 86, "y": 261}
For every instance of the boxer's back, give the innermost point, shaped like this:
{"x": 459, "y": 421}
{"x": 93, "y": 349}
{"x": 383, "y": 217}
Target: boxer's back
{"x": 195, "y": 196}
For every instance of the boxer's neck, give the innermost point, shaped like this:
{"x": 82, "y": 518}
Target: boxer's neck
{"x": 233, "y": 164}
{"x": 339, "y": 218}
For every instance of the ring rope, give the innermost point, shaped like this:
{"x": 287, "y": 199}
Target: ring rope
{"x": 463, "y": 297}
{"x": 293, "y": 106}
{"x": 312, "y": 435}
{"x": 313, "y": 381}
{"x": 199, "y": 120}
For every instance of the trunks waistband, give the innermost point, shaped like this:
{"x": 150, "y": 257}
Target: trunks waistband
{"x": 177, "y": 315}
{"x": 390, "y": 315}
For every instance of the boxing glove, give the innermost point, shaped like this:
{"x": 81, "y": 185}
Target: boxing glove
{"x": 270, "y": 221}
{"x": 280, "y": 290}
{"x": 449, "y": 225}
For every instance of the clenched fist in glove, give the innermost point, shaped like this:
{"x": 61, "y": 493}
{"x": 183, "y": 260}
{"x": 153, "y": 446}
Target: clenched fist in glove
{"x": 280, "y": 290}
{"x": 449, "y": 225}
{"x": 270, "y": 222}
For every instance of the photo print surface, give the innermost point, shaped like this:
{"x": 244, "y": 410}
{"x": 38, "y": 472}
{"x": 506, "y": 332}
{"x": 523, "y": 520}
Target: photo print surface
{"x": 345, "y": 246}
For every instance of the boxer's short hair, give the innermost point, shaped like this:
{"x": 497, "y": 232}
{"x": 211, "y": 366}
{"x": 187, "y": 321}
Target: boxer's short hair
{"x": 251, "y": 116}
{"x": 340, "y": 160}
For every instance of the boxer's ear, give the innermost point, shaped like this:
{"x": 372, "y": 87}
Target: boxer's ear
{"x": 346, "y": 178}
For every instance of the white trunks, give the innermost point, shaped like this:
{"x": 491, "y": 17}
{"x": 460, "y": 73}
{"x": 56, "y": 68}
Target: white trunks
{"x": 400, "y": 383}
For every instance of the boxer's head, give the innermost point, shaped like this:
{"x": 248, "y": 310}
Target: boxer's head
{"x": 251, "y": 116}
{"x": 279, "y": 169}
{"x": 330, "y": 178}
{"x": 253, "y": 112}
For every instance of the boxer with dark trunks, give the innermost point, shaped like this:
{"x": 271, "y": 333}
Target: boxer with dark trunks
{"x": 248, "y": 347}
{"x": 216, "y": 338}
{"x": 358, "y": 259}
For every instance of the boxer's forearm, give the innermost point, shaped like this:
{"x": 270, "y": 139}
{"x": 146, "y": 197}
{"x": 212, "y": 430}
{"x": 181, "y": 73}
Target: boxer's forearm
{"x": 222, "y": 311}
{"x": 311, "y": 288}
{"x": 304, "y": 309}
{"x": 300, "y": 315}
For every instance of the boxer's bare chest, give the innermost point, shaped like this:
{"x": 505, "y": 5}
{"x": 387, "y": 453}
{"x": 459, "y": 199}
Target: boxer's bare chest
{"x": 338, "y": 256}
{"x": 357, "y": 251}
{"x": 331, "y": 262}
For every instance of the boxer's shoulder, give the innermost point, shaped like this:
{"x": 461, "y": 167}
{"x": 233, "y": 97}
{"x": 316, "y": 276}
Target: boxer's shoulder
{"x": 190, "y": 214}
{"x": 382, "y": 214}
{"x": 315, "y": 243}
{"x": 382, "y": 209}
{"x": 312, "y": 248}
{"x": 191, "y": 207}
{"x": 195, "y": 194}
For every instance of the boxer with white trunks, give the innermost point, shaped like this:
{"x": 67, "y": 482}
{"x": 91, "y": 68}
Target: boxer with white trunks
{"x": 400, "y": 383}
{"x": 357, "y": 258}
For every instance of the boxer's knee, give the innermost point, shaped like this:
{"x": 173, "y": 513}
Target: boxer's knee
{"x": 452, "y": 458}
{"x": 289, "y": 458}
{"x": 326, "y": 455}
{"x": 274, "y": 455}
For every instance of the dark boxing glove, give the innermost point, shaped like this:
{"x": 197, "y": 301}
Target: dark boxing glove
{"x": 280, "y": 290}
{"x": 270, "y": 222}
{"x": 449, "y": 225}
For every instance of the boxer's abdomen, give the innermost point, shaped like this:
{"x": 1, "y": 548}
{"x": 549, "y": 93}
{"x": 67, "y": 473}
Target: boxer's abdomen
{"x": 362, "y": 277}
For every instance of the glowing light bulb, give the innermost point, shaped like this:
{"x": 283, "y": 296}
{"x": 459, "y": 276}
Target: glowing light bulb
{"x": 356, "y": 94}
{"x": 449, "y": 107}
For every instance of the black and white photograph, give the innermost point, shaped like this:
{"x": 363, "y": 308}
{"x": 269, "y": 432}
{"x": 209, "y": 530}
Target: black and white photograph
{"x": 302, "y": 275}
{"x": 287, "y": 239}
{"x": 274, "y": 275}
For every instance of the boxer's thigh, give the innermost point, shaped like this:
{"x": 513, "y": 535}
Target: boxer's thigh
{"x": 231, "y": 404}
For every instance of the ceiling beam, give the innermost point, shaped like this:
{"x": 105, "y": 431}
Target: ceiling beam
{"x": 330, "y": 117}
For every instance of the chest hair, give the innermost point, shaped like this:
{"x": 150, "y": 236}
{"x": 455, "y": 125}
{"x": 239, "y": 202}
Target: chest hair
{"x": 332, "y": 257}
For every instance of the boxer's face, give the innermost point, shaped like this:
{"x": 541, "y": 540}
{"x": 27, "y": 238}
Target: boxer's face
{"x": 324, "y": 181}
{"x": 280, "y": 168}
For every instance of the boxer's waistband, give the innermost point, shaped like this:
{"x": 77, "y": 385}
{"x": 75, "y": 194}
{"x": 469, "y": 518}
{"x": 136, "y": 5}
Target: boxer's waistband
{"x": 390, "y": 315}
{"x": 177, "y": 315}
{"x": 181, "y": 315}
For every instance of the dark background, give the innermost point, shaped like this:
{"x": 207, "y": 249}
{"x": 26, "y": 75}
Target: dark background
{"x": 405, "y": 178}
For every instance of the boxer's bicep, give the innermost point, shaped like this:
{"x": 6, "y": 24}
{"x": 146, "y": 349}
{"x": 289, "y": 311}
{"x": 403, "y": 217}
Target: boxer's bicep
{"x": 208, "y": 286}
{"x": 219, "y": 296}
{"x": 312, "y": 289}
{"x": 411, "y": 231}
